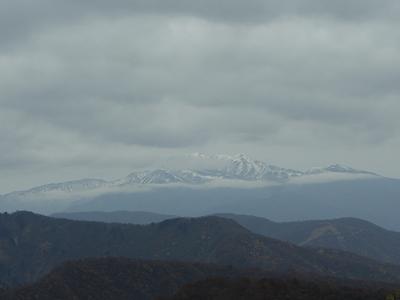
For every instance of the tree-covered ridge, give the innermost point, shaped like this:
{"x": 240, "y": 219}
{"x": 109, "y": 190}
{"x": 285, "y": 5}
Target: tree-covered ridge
{"x": 278, "y": 289}
{"x": 116, "y": 279}
{"x": 123, "y": 279}
{"x": 348, "y": 234}
{"x": 32, "y": 245}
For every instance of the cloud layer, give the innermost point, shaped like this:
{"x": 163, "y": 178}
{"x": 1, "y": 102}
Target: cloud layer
{"x": 98, "y": 88}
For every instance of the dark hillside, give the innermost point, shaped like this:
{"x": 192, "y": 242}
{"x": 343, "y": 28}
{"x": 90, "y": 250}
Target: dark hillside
{"x": 347, "y": 234}
{"x": 276, "y": 289}
{"x": 121, "y": 278}
{"x": 32, "y": 245}
{"x": 115, "y": 278}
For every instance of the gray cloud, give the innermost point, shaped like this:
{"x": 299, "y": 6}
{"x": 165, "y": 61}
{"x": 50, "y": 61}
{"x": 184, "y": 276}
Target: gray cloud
{"x": 20, "y": 18}
{"x": 113, "y": 86}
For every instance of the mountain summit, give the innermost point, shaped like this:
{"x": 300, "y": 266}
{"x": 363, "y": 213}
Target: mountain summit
{"x": 207, "y": 168}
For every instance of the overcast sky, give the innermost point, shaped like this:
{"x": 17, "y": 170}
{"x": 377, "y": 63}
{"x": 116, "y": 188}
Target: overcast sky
{"x": 99, "y": 88}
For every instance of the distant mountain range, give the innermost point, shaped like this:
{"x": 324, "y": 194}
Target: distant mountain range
{"x": 32, "y": 245}
{"x": 231, "y": 184}
{"x": 347, "y": 234}
{"x": 239, "y": 167}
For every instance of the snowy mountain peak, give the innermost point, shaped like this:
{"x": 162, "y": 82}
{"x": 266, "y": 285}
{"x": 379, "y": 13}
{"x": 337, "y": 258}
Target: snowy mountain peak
{"x": 241, "y": 157}
{"x": 337, "y": 168}
{"x": 65, "y": 187}
{"x": 341, "y": 168}
{"x": 69, "y": 186}
{"x": 207, "y": 168}
{"x": 242, "y": 167}
{"x": 161, "y": 176}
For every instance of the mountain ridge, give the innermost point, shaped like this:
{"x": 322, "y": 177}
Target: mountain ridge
{"x": 121, "y": 278}
{"x": 237, "y": 167}
{"x": 348, "y": 234}
{"x": 128, "y": 217}
{"x": 32, "y": 245}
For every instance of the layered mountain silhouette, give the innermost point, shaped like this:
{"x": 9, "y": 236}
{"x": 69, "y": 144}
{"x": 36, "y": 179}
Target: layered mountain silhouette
{"x": 348, "y": 234}
{"x": 32, "y": 245}
{"x": 215, "y": 183}
{"x": 356, "y": 198}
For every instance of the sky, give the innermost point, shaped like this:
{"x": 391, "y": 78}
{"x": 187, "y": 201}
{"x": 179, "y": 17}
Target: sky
{"x": 100, "y": 88}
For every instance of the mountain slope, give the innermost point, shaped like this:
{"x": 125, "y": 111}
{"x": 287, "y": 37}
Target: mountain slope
{"x": 115, "y": 278}
{"x": 277, "y": 289}
{"x": 31, "y": 245}
{"x": 121, "y": 278}
{"x": 206, "y": 171}
{"x": 347, "y": 234}
{"x": 127, "y": 217}
{"x": 361, "y": 198}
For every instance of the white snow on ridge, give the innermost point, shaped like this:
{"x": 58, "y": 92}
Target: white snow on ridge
{"x": 210, "y": 170}
{"x": 69, "y": 186}
{"x": 160, "y": 176}
{"x": 336, "y": 168}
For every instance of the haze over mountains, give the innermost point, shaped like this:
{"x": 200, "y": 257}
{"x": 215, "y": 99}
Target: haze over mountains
{"x": 226, "y": 184}
{"x": 124, "y": 217}
{"x": 208, "y": 168}
{"x": 119, "y": 124}
{"x": 347, "y": 234}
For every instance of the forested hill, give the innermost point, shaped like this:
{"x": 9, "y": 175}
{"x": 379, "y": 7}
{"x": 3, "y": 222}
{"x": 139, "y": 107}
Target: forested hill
{"x": 32, "y": 245}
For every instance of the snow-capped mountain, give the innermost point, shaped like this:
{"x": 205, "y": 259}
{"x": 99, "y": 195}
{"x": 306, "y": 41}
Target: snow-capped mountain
{"x": 243, "y": 168}
{"x": 65, "y": 187}
{"x": 209, "y": 168}
{"x": 161, "y": 176}
{"x": 200, "y": 184}
{"x": 338, "y": 169}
